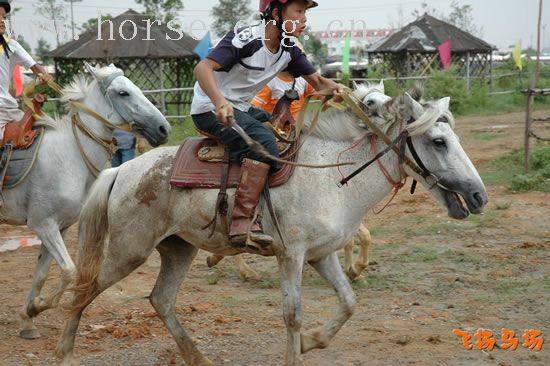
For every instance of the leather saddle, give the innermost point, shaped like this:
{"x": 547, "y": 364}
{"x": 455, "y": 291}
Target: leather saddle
{"x": 199, "y": 161}
{"x": 20, "y": 134}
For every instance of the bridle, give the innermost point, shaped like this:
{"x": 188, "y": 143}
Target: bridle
{"x": 108, "y": 144}
{"x": 398, "y": 145}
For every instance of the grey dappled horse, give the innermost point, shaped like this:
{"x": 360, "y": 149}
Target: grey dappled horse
{"x": 316, "y": 217}
{"x": 50, "y": 198}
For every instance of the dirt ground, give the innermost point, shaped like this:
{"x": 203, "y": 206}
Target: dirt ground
{"x": 428, "y": 275}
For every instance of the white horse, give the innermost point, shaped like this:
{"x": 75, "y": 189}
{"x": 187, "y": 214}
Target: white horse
{"x": 50, "y": 198}
{"x": 373, "y": 97}
{"x": 316, "y": 216}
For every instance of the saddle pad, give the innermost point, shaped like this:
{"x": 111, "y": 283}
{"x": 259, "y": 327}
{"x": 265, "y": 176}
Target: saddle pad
{"x": 21, "y": 162}
{"x": 189, "y": 172}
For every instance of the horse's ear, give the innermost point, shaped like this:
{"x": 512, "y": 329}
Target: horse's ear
{"x": 92, "y": 70}
{"x": 354, "y": 84}
{"x": 415, "y": 107}
{"x": 381, "y": 86}
{"x": 443, "y": 103}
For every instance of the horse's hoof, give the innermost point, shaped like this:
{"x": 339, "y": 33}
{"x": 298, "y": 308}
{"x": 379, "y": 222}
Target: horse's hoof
{"x": 30, "y": 334}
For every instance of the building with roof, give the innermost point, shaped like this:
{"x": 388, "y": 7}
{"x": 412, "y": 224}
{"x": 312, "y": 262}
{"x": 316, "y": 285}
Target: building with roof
{"x": 153, "y": 55}
{"x": 335, "y": 39}
{"x": 412, "y": 51}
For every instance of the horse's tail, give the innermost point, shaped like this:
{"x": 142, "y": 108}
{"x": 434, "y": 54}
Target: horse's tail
{"x": 93, "y": 232}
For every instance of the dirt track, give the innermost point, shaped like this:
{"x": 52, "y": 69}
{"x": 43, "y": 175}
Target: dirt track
{"x": 428, "y": 276}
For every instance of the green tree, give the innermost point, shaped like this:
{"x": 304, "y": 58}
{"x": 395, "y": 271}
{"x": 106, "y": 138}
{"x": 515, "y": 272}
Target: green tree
{"x": 424, "y": 9}
{"x": 227, "y": 13}
{"x": 56, "y": 18}
{"x": 23, "y": 43}
{"x": 163, "y": 10}
{"x": 91, "y": 24}
{"x": 315, "y": 49}
{"x": 461, "y": 17}
{"x": 42, "y": 50}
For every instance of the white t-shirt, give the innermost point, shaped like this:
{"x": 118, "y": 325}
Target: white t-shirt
{"x": 247, "y": 66}
{"x": 18, "y": 55}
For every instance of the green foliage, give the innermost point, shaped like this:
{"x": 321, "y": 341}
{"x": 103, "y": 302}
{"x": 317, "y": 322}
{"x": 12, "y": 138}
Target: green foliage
{"x": 163, "y": 10}
{"x": 91, "y": 24}
{"x": 443, "y": 83}
{"x": 55, "y": 14}
{"x": 23, "y": 43}
{"x": 345, "y": 80}
{"x": 509, "y": 169}
{"x": 42, "y": 50}
{"x": 227, "y": 13}
{"x": 314, "y": 48}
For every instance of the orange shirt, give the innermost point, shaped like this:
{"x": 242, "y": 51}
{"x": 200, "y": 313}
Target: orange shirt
{"x": 268, "y": 97}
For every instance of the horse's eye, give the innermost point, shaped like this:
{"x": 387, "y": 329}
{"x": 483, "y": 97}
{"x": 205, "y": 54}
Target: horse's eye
{"x": 123, "y": 93}
{"x": 439, "y": 142}
{"x": 370, "y": 103}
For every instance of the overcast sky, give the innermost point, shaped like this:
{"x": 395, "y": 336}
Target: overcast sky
{"x": 503, "y": 21}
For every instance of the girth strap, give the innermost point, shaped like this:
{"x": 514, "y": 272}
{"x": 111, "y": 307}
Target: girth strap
{"x": 221, "y": 202}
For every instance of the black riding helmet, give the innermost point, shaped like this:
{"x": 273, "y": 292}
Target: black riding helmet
{"x": 267, "y": 6}
{"x": 6, "y": 5}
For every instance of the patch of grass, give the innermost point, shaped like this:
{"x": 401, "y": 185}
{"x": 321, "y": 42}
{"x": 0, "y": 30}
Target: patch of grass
{"x": 231, "y": 301}
{"x": 503, "y": 205}
{"x": 489, "y": 218}
{"x": 519, "y": 286}
{"x": 440, "y": 228}
{"x": 266, "y": 283}
{"x": 381, "y": 230}
{"x": 509, "y": 169}
{"x": 463, "y": 256}
{"x": 181, "y": 130}
{"x": 418, "y": 254}
{"x": 488, "y": 136}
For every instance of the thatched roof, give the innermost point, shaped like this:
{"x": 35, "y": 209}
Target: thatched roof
{"x": 124, "y": 44}
{"x": 426, "y": 33}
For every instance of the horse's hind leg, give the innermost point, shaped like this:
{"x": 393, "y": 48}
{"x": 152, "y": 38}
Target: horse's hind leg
{"x": 329, "y": 268}
{"x": 117, "y": 265}
{"x": 176, "y": 257}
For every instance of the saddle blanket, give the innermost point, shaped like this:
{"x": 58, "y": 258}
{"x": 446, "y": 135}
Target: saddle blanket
{"x": 190, "y": 172}
{"x": 21, "y": 161}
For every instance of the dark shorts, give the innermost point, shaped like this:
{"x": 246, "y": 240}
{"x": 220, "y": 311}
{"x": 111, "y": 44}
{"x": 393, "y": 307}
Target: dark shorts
{"x": 252, "y": 123}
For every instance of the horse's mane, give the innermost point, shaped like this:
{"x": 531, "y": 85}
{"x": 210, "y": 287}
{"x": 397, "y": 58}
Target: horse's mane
{"x": 362, "y": 90}
{"x": 76, "y": 90}
{"x": 337, "y": 125}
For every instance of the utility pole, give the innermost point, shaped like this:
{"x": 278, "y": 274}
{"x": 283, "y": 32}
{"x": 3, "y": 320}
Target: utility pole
{"x": 72, "y": 13}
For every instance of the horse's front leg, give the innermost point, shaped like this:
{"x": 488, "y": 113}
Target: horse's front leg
{"x": 53, "y": 246}
{"x": 290, "y": 268}
{"x": 363, "y": 261}
{"x": 28, "y": 329}
{"x": 329, "y": 268}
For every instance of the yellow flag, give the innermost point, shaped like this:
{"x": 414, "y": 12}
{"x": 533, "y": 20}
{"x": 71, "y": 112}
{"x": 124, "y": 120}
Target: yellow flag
{"x": 516, "y": 54}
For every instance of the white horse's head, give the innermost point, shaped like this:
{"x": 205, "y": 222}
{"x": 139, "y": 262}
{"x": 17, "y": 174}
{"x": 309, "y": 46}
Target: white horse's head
{"x": 372, "y": 95}
{"x": 438, "y": 149}
{"x": 130, "y": 105}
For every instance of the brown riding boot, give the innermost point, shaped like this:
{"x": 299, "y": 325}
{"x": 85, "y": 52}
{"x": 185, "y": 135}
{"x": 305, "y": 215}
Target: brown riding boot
{"x": 252, "y": 182}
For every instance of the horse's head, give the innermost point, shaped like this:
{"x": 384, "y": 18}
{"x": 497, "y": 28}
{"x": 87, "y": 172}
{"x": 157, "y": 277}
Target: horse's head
{"x": 438, "y": 150}
{"x": 130, "y": 105}
{"x": 372, "y": 97}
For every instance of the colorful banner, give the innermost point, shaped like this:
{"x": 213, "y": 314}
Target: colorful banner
{"x": 516, "y": 54}
{"x": 204, "y": 46}
{"x": 445, "y": 54}
{"x": 17, "y": 80}
{"x": 345, "y": 54}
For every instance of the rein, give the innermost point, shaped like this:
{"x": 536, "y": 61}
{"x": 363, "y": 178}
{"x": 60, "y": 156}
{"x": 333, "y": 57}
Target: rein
{"x": 403, "y": 140}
